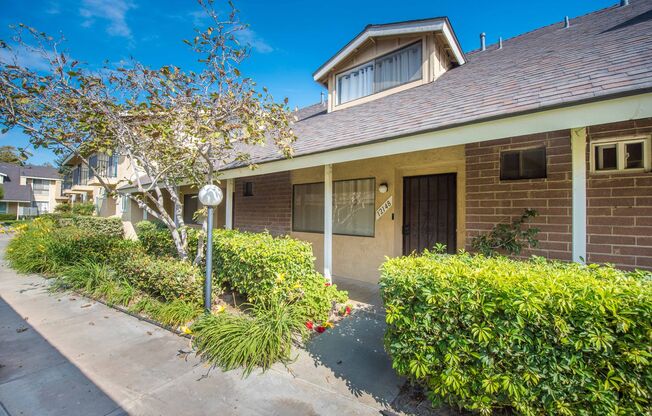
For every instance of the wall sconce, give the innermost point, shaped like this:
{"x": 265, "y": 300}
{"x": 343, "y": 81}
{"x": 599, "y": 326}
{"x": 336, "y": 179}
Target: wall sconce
{"x": 383, "y": 188}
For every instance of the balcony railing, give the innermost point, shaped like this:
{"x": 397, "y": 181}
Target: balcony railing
{"x": 104, "y": 166}
{"x": 80, "y": 175}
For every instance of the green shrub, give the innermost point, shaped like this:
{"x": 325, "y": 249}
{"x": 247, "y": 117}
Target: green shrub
{"x": 7, "y": 217}
{"x": 259, "y": 265}
{"x": 110, "y": 227}
{"x": 164, "y": 278}
{"x": 83, "y": 208}
{"x": 231, "y": 341}
{"x": 538, "y": 336}
{"x": 157, "y": 239}
{"x": 64, "y": 208}
{"x": 41, "y": 247}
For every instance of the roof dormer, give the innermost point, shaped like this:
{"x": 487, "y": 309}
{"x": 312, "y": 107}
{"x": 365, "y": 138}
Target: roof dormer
{"x": 388, "y": 58}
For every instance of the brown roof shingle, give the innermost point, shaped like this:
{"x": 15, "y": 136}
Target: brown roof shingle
{"x": 601, "y": 54}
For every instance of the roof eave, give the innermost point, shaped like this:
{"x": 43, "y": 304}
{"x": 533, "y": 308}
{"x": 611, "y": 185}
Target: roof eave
{"x": 435, "y": 25}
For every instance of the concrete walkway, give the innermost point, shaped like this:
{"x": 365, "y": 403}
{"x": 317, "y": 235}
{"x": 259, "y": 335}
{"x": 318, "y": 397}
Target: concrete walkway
{"x": 66, "y": 355}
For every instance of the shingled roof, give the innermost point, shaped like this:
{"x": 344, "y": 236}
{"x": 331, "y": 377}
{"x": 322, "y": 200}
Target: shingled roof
{"x": 13, "y": 190}
{"x": 601, "y": 55}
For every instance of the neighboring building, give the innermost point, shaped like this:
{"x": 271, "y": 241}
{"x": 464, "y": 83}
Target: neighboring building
{"x": 420, "y": 144}
{"x": 29, "y": 190}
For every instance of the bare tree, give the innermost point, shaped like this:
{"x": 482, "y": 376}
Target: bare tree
{"x": 176, "y": 127}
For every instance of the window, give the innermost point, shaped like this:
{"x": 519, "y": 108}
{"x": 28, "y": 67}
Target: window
{"x": 248, "y": 189}
{"x": 124, "y": 204}
{"x": 3, "y": 207}
{"x": 622, "y": 155}
{"x": 353, "y": 207}
{"x": 308, "y": 207}
{"x": 41, "y": 186}
{"x": 41, "y": 207}
{"x": 190, "y": 206}
{"x": 388, "y": 71}
{"x": 523, "y": 164}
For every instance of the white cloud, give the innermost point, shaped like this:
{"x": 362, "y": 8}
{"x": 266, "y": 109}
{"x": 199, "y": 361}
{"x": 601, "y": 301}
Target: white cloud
{"x": 53, "y": 8}
{"x": 257, "y": 43}
{"x": 25, "y": 58}
{"x": 113, "y": 11}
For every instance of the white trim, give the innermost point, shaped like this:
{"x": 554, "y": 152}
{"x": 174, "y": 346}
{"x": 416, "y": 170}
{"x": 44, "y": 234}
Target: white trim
{"x": 598, "y": 112}
{"x": 578, "y": 151}
{"x": 620, "y": 142}
{"x": 228, "y": 222}
{"x": 328, "y": 222}
{"x": 40, "y": 177}
{"x": 439, "y": 25}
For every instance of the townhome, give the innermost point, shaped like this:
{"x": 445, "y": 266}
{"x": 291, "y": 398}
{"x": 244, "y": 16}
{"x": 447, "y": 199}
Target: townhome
{"x": 29, "y": 190}
{"x": 419, "y": 143}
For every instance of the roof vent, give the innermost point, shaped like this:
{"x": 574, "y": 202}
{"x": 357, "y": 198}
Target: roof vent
{"x": 566, "y": 22}
{"x": 483, "y": 46}
{"x": 624, "y": 3}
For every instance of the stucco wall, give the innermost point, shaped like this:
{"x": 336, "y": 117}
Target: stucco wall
{"x": 359, "y": 257}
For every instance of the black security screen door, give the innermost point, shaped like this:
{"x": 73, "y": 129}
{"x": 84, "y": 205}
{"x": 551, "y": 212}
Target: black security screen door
{"x": 429, "y": 212}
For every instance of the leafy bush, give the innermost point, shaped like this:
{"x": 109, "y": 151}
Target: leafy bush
{"x": 259, "y": 265}
{"x": 231, "y": 341}
{"x": 508, "y": 238}
{"x": 7, "y": 217}
{"x": 157, "y": 239}
{"x": 110, "y": 227}
{"x": 83, "y": 208}
{"x": 538, "y": 336}
{"x": 164, "y": 278}
{"x": 63, "y": 208}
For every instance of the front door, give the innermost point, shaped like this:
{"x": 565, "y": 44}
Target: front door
{"x": 429, "y": 212}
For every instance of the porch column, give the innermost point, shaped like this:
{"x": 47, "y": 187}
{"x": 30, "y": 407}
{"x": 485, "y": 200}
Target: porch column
{"x": 328, "y": 222}
{"x": 578, "y": 150}
{"x": 228, "y": 223}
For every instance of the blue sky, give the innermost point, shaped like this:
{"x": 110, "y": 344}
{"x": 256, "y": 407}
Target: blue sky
{"x": 289, "y": 39}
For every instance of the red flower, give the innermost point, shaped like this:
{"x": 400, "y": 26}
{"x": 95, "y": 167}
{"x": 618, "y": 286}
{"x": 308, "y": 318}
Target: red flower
{"x": 327, "y": 284}
{"x": 320, "y": 329}
{"x": 309, "y": 325}
{"x": 347, "y": 311}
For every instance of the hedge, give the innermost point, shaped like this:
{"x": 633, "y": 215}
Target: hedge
{"x": 157, "y": 239}
{"x": 7, "y": 217}
{"x": 43, "y": 247}
{"x": 164, "y": 278}
{"x": 537, "y": 336}
{"x": 108, "y": 226}
{"x": 259, "y": 266}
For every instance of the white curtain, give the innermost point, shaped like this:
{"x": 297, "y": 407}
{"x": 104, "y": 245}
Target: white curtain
{"x": 356, "y": 83}
{"x": 398, "y": 68}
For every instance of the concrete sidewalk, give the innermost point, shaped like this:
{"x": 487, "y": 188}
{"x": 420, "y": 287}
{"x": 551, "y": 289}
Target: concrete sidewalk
{"x": 66, "y": 355}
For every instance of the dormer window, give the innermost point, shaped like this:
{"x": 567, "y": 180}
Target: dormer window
{"x": 385, "y": 72}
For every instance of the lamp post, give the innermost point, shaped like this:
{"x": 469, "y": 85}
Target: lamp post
{"x": 210, "y": 196}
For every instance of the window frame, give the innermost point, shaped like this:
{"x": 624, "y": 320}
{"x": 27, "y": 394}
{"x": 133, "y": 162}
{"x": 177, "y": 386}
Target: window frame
{"x": 621, "y": 143}
{"x": 373, "y": 234}
{"x": 520, "y": 163}
{"x": 44, "y": 186}
{"x": 5, "y": 207}
{"x": 373, "y": 62}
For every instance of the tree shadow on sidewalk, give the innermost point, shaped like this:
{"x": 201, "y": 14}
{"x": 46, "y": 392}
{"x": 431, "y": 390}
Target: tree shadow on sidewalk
{"x": 36, "y": 379}
{"x": 354, "y": 352}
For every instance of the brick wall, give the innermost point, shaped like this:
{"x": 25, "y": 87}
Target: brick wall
{"x": 490, "y": 201}
{"x": 619, "y": 207}
{"x": 269, "y": 208}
